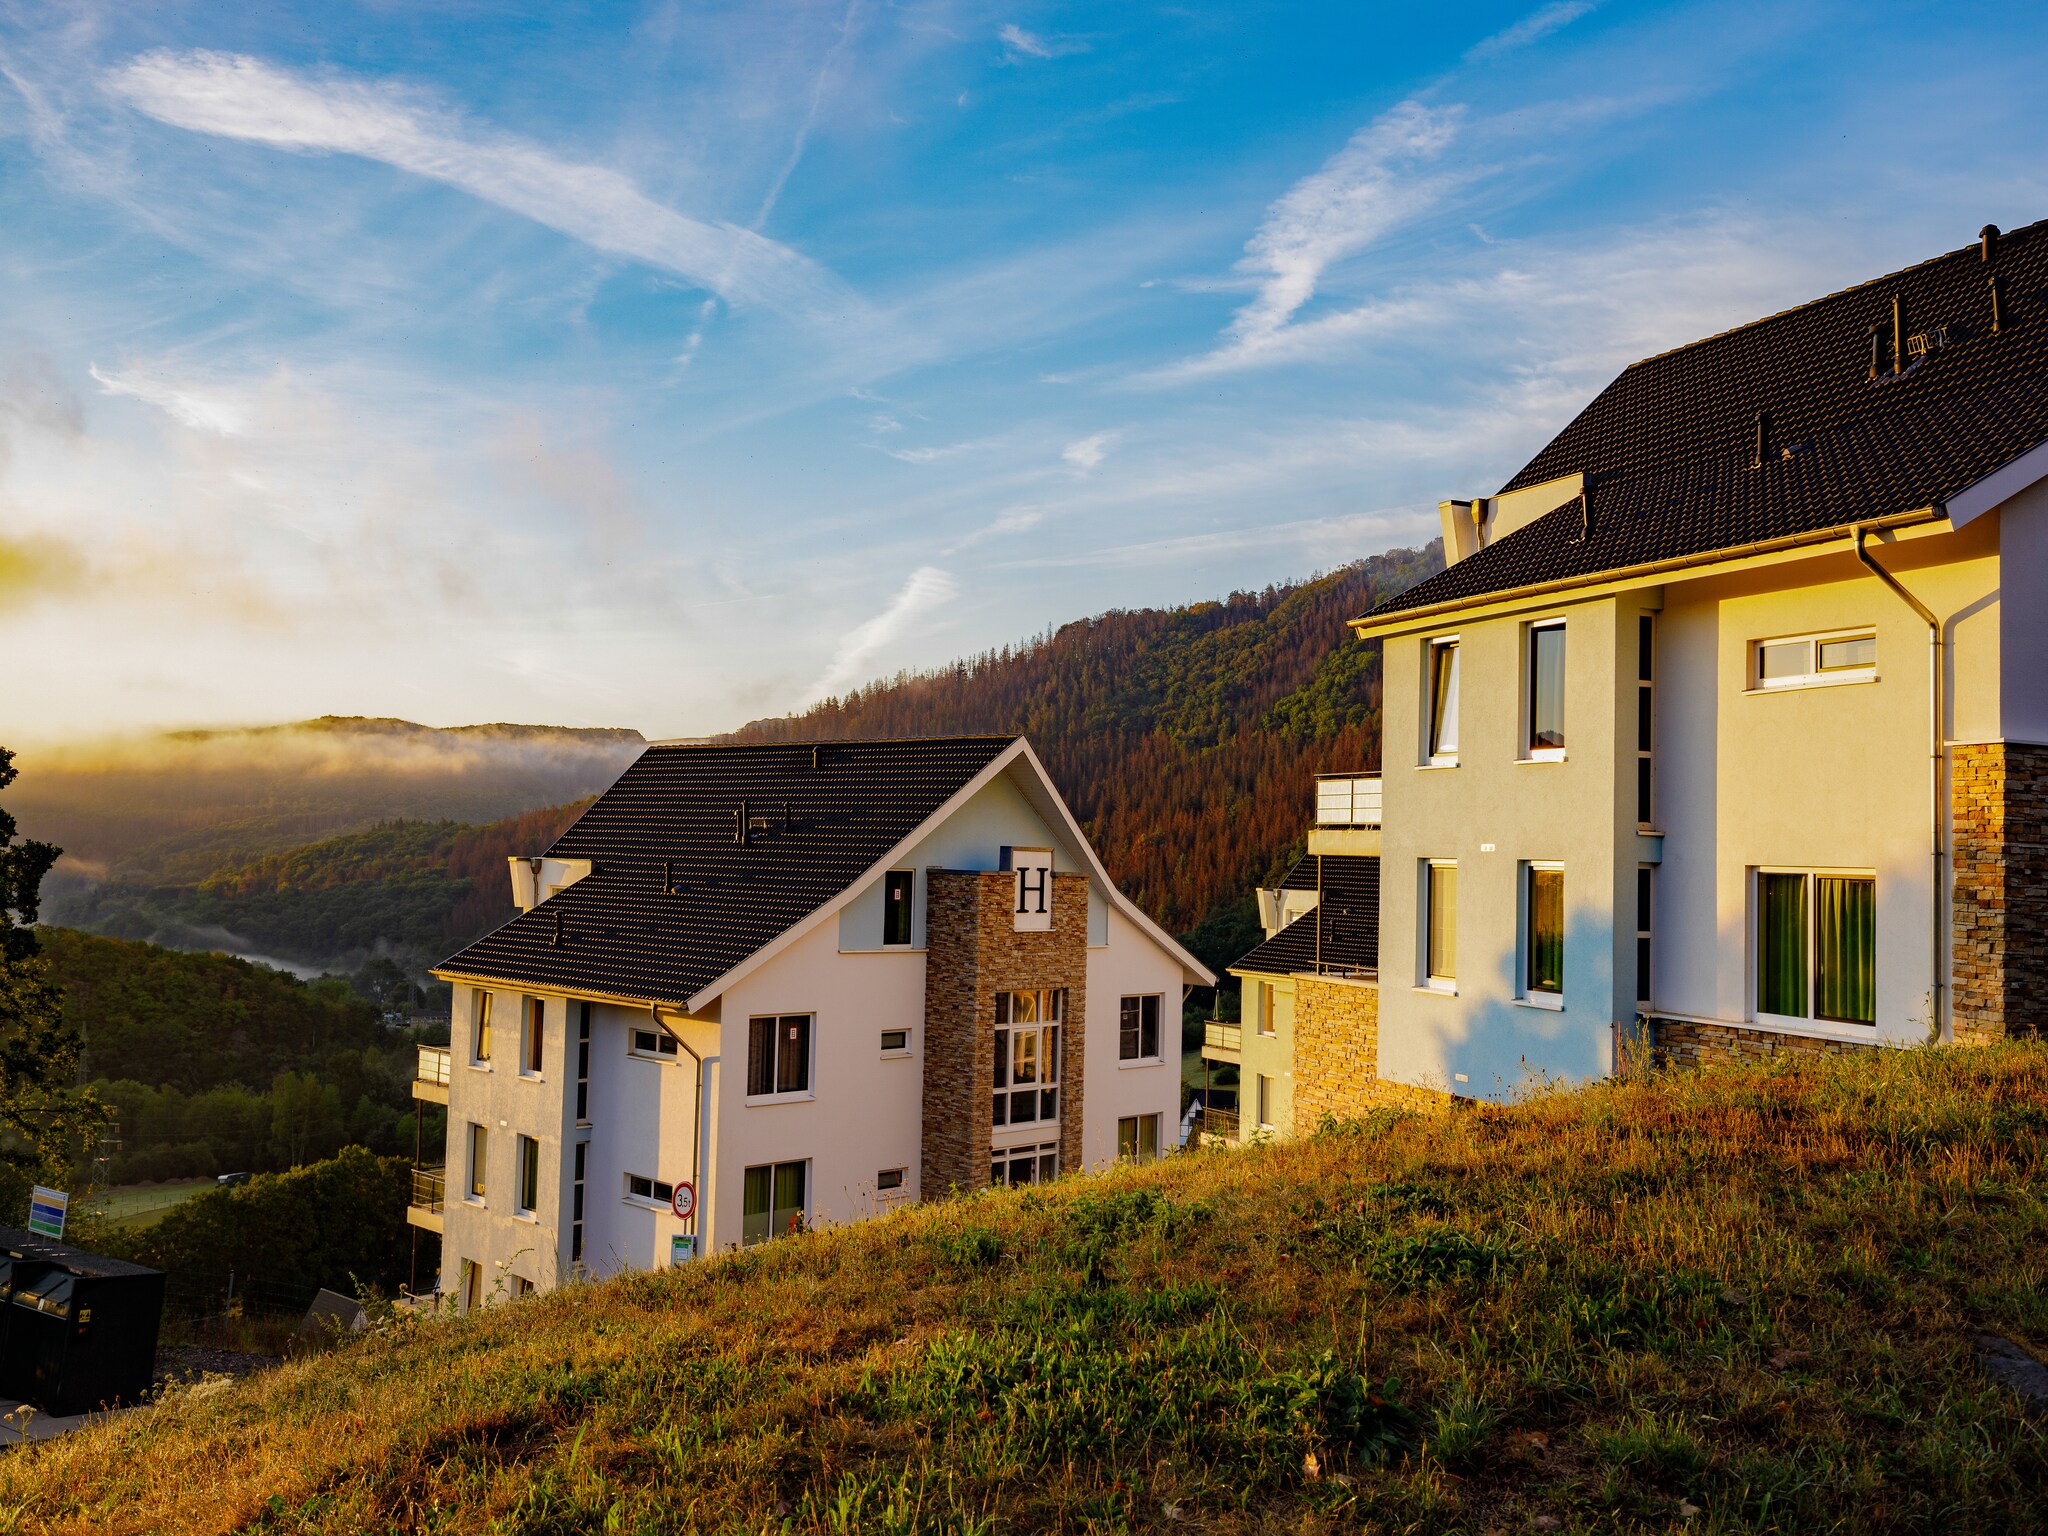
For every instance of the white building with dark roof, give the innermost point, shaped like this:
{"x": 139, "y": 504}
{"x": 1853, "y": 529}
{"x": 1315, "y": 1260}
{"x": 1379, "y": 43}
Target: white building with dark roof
{"x": 756, "y": 988}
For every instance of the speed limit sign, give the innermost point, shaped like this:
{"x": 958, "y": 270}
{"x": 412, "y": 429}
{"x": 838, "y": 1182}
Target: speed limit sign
{"x": 684, "y": 1201}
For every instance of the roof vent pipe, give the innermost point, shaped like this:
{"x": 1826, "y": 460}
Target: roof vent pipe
{"x": 1586, "y": 511}
{"x": 1763, "y": 439}
{"x": 1997, "y": 318}
{"x": 1873, "y": 354}
{"x": 1989, "y": 236}
{"x": 1898, "y": 334}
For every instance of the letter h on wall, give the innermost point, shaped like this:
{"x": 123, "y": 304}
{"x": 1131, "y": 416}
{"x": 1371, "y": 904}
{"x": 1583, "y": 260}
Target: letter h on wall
{"x": 1032, "y": 867}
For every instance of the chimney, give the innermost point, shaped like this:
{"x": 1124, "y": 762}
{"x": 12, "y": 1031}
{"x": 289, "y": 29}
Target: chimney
{"x": 1988, "y": 235}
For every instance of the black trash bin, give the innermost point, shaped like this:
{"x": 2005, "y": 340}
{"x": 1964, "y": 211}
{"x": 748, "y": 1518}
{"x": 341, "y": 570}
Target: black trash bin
{"x": 77, "y": 1331}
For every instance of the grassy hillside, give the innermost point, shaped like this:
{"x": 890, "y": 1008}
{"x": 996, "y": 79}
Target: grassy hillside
{"x": 1186, "y": 739}
{"x": 1739, "y": 1301}
{"x": 416, "y": 890}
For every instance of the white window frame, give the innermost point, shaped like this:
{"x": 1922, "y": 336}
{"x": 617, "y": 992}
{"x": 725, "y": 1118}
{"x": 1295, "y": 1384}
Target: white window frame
{"x": 1137, "y": 1123}
{"x": 476, "y": 1187}
{"x": 1158, "y": 1000}
{"x": 654, "y": 1199}
{"x": 1531, "y": 753}
{"x": 520, "y": 1156}
{"x": 897, "y": 1052}
{"x": 1526, "y": 995}
{"x": 1426, "y": 980}
{"x": 1040, "y": 1152}
{"x": 480, "y": 1032}
{"x": 1266, "y": 1090}
{"x": 1812, "y": 1023}
{"x": 665, "y": 1050}
{"x": 793, "y": 1095}
{"x": 1430, "y": 648}
{"x": 1813, "y": 676}
{"x": 1048, "y": 1060}
{"x": 529, "y": 1006}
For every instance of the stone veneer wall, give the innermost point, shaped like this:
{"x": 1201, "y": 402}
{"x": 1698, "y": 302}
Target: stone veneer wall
{"x": 972, "y": 952}
{"x": 1337, "y": 1056}
{"x": 1998, "y": 797}
{"x": 1681, "y": 1044}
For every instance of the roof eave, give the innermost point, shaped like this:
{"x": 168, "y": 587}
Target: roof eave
{"x": 1367, "y": 627}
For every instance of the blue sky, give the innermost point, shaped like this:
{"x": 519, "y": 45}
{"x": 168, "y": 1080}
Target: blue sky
{"x": 671, "y": 365}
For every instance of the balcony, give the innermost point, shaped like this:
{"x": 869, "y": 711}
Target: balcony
{"x": 430, "y": 1076}
{"x": 1219, "y": 1125}
{"x": 1347, "y": 800}
{"x": 1222, "y": 1042}
{"x": 429, "y": 1194}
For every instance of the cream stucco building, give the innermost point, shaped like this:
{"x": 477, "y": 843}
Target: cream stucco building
{"x": 756, "y": 988}
{"x": 1725, "y": 730}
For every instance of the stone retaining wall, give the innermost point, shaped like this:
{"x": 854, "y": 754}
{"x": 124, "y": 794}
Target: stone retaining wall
{"x": 1337, "y": 1056}
{"x": 1998, "y": 796}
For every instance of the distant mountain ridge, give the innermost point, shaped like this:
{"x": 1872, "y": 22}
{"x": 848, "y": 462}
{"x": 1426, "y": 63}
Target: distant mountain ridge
{"x": 1186, "y": 739}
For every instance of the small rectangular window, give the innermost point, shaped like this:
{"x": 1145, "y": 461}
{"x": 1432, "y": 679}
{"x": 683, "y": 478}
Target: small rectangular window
{"x": 772, "y": 1202}
{"x": 778, "y": 1055}
{"x": 1644, "y": 918}
{"x": 649, "y": 1190}
{"x": 657, "y": 1043}
{"x": 1138, "y": 1029}
{"x": 1263, "y": 994}
{"x": 889, "y": 1178}
{"x": 529, "y": 1176}
{"x": 1025, "y": 1165}
{"x": 1443, "y": 701}
{"x": 480, "y": 1033}
{"x": 521, "y": 1287}
{"x": 898, "y": 887}
{"x": 1137, "y": 1138}
{"x": 1266, "y": 1104}
{"x": 535, "y": 1030}
{"x": 479, "y": 1152}
{"x": 1543, "y": 941}
{"x": 1546, "y": 689}
{"x": 1440, "y": 962}
{"x": 1807, "y": 660}
{"x": 895, "y": 1042}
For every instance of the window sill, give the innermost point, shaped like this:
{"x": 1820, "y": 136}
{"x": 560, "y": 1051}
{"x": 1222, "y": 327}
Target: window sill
{"x": 1449, "y": 762}
{"x": 1800, "y": 684}
{"x": 530, "y": 1077}
{"x": 896, "y": 1055}
{"x": 477, "y": 1201}
{"x": 1437, "y": 989}
{"x": 1794, "y": 1024}
{"x": 639, "y": 1204}
{"x": 1142, "y": 1061}
{"x": 659, "y": 1061}
{"x": 1542, "y": 1002}
{"x": 478, "y": 1066}
{"x": 1547, "y": 755}
{"x": 758, "y": 1101}
{"x": 532, "y": 1218}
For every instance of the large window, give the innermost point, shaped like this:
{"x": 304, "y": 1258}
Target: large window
{"x": 1137, "y": 1036}
{"x": 1543, "y": 932}
{"x": 778, "y": 1055}
{"x": 480, "y": 1026}
{"x": 1027, "y": 1056}
{"x": 1816, "y": 946}
{"x": 528, "y": 1199}
{"x": 898, "y": 887}
{"x": 534, "y": 1027}
{"x": 1137, "y": 1138}
{"x": 772, "y": 1202}
{"x": 479, "y": 1157}
{"x": 1442, "y": 745}
{"x": 1265, "y": 1008}
{"x": 1440, "y": 923}
{"x": 1038, "y": 1164}
{"x": 1545, "y": 703}
{"x": 1808, "y": 661}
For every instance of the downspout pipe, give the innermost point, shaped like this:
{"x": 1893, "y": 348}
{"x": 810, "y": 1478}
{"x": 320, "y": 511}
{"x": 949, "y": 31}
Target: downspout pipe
{"x": 1937, "y": 749}
{"x": 698, "y": 1151}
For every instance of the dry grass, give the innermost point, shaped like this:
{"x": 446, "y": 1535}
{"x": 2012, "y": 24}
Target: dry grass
{"x": 1741, "y": 1301}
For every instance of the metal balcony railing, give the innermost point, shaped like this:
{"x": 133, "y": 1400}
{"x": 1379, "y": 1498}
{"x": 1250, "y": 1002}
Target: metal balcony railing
{"x": 1220, "y": 1123}
{"x": 430, "y": 1188}
{"x": 1223, "y": 1037}
{"x": 433, "y": 1065}
{"x": 1347, "y": 800}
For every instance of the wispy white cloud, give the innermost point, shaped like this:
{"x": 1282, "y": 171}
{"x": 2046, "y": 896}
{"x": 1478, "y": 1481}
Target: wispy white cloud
{"x": 1381, "y": 180}
{"x": 1534, "y": 27}
{"x": 929, "y": 455}
{"x": 928, "y": 588}
{"x": 195, "y": 406}
{"x": 1089, "y": 451}
{"x": 1034, "y": 45}
{"x": 235, "y": 96}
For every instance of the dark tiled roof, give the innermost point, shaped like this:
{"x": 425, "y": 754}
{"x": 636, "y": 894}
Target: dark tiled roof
{"x": 1343, "y": 932}
{"x": 1668, "y": 445}
{"x": 673, "y": 814}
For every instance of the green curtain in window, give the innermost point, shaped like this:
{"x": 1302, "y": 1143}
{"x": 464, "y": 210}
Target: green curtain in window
{"x": 789, "y": 1197}
{"x": 754, "y": 1206}
{"x": 1845, "y": 944}
{"x": 1546, "y": 930}
{"x": 1781, "y": 945}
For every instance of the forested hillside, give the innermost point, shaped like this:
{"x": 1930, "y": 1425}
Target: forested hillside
{"x": 214, "y": 1065}
{"x": 410, "y": 891}
{"x": 1186, "y": 739}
